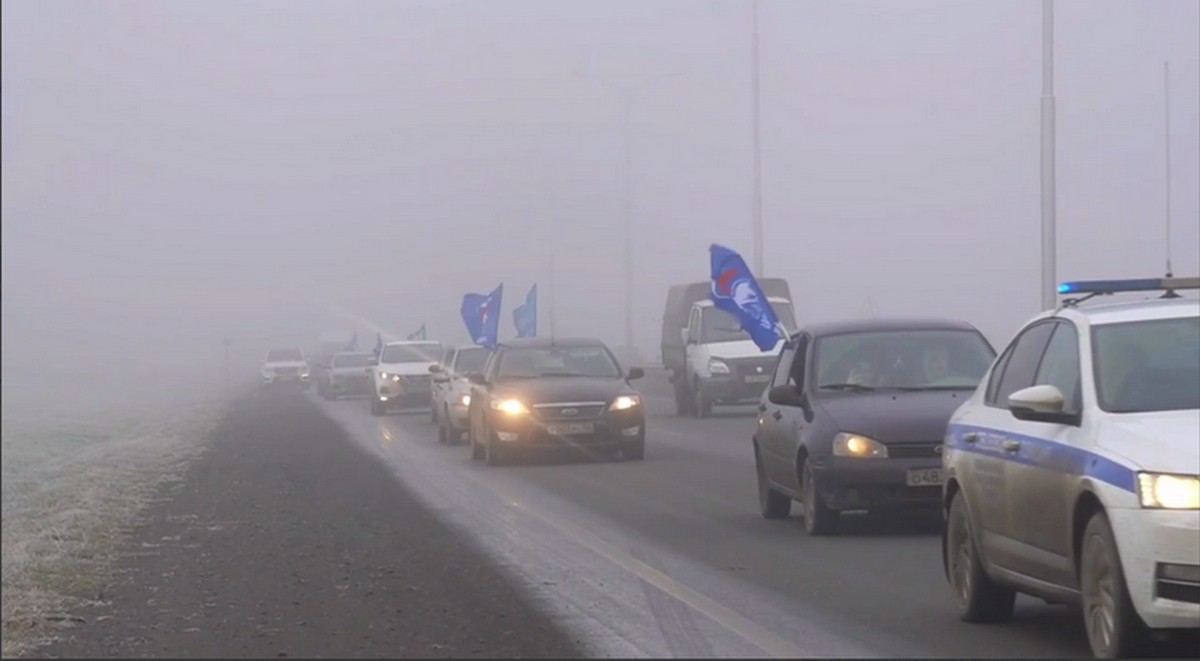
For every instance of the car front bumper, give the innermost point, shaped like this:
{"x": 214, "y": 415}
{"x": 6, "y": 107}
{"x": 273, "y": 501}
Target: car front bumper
{"x": 847, "y": 483}
{"x": 1160, "y": 556}
{"x": 350, "y": 385}
{"x": 403, "y": 393}
{"x": 614, "y": 430}
{"x": 281, "y": 379}
{"x": 732, "y": 389}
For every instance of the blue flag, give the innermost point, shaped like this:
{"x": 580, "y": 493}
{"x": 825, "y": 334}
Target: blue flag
{"x": 419, "y": 334}
{"x": 525, "y": 316}
{"x": 735, "y": 291}
{"x": 352, "y": 345}
{"x": 378, "y": 344}
{"x": 481, "y": 314}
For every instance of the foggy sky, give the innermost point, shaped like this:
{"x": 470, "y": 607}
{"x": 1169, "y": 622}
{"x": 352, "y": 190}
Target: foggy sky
{"x": 179, "y": 172}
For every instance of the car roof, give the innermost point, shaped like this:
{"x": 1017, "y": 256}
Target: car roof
{"x": 707, "y": 302}
{"x": 868, "y": 324}
{"x": 547, "y": 342}
{"x": 352, "y": 353}
{"x": 396, "y": 343}
{"x": 464, "y": 347}
{"x": 1115, "y": 312}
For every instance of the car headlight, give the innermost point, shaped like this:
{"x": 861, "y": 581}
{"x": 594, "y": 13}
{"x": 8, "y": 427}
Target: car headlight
{"x": 857, "y": 445}
{"x": 509, "y": 406}
{"x": 385, "y": 376}
{"x": 1169, "y": 492}
{"x": 466, "y": 400}
{"x": 717, "y": 366}
{"x": 625, "y": 402}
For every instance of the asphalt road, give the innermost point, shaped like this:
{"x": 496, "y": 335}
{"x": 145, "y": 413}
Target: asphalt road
{"x": 669, "y": 556}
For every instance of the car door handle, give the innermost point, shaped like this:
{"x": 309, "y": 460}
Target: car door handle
{"x": 1011, "y": 446}
{"x": 970, "y": 437}
{"x": 777, "y": 415}
{"x": 762, "y": 408}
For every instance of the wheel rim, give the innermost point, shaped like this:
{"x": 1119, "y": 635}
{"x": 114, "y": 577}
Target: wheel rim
{"x": 962, "y": 558}
{"x": 762, "y": 481}
{"x": 1100, "y": 601}
{"x": 810, "y": 497}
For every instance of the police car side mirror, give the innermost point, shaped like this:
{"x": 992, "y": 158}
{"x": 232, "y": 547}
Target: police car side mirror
{"x": 436, "y": 369}
{"x": 477, "y": 379}
{"x": 635, "y": 373}
{"x": 1041, "y": 404}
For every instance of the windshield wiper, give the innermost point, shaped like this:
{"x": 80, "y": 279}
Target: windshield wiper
{"x": 919, "y": 388}
{"x": 573, "y": 374}
{"x": 856, "y": 387}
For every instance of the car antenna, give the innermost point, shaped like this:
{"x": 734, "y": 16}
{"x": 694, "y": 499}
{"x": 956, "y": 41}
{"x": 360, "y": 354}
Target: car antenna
{"x": 1170, "y": 292}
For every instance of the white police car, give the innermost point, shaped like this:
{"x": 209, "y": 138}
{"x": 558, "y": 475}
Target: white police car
{"x": 1073, "y": 472}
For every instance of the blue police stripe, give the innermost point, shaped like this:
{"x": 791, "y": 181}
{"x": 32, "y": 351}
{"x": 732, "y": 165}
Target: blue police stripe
{"x": 1045, "y": 453}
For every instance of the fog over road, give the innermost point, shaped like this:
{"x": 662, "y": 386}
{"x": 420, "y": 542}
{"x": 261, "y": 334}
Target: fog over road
{"x": 669, "y": 556}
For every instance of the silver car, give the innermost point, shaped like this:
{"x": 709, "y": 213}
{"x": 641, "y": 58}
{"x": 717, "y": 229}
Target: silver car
{"x": 452, "y": 391}
{"x": 346, "y": 374}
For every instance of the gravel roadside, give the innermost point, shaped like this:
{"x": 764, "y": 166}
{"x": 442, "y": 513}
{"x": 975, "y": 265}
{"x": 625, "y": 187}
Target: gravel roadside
{"x": 286, "y": 540}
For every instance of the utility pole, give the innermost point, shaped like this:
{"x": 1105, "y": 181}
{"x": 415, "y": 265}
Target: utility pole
{"x": 756, "y": 217}
{"x": 1049, "y": 201}
{"x": 628, "y": 95}
{"x": 1167, "y": 155}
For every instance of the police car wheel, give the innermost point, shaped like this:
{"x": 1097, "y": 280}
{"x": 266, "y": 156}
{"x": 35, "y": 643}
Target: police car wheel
{"x": 1113, "y": 627}
{"x": 976, "y": 596}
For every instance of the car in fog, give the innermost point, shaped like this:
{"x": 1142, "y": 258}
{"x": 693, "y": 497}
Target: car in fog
{"x": 452, "y": 389}
{"x": 1073, "y": 472}
{"x": 855, "y": 414}
{"x": 285, "y": 366}
{"x": 401, "y": 377}
{"x": 346, "y": 374}
{"x": 544, "y": 393}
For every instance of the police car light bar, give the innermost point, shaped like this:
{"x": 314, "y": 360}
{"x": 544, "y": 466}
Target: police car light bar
{"x": 1115, "y": 286}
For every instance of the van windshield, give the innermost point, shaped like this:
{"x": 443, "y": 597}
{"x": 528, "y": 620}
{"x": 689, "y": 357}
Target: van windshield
{"x": 717, "y": 325}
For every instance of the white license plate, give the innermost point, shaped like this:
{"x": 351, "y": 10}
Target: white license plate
{"x": 758, "y": 378}
{"x": 924, "y": 477}
{"x": 565, "y": 429}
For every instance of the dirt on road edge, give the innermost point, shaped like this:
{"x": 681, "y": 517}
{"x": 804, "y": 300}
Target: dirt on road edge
{"x": 286, "y": 539}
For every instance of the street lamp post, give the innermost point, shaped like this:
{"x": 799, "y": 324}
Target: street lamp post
{"x": 756, "y": 218}
{"x": 628, "y": 93}
{"x": 1049, "y": 203}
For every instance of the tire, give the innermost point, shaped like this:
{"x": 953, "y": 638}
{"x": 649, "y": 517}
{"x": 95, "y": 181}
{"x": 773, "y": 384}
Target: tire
{"x": 493, "y": 454}
{"x": 703, "y": 405}
{"x": 1114, "y": 629}
{"x": 771, "y": 503}
{"x": 976, "y": 596}
{"x": 683, "y": 398}
{"x": 819, "y": 519}
{"x": 453, "y": 434}
{"x": 634, "y": 450}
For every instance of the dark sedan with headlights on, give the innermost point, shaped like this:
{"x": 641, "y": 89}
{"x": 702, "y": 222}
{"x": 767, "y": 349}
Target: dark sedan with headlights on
{"x": 542, "y": 393}
{"x": 855, "y": 414}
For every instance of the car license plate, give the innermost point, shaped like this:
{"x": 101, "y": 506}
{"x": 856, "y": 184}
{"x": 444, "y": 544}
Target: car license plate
{"x": 758, "y": 378}
{"x": 570, "y": 428}
{"x": 924, "y": 477}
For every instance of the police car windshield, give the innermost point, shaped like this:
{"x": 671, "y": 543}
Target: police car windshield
{"x": 901, "y": 360}
{"x": 587, "y": 361}
{"x": 411, "y": 353}
{"x": 470, "y": 360}
{"x": 717, "y": 325}
{"x": 351, "y": 360}
{"x": 284, "y": 356}
{"x": 1145, "y": 366}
